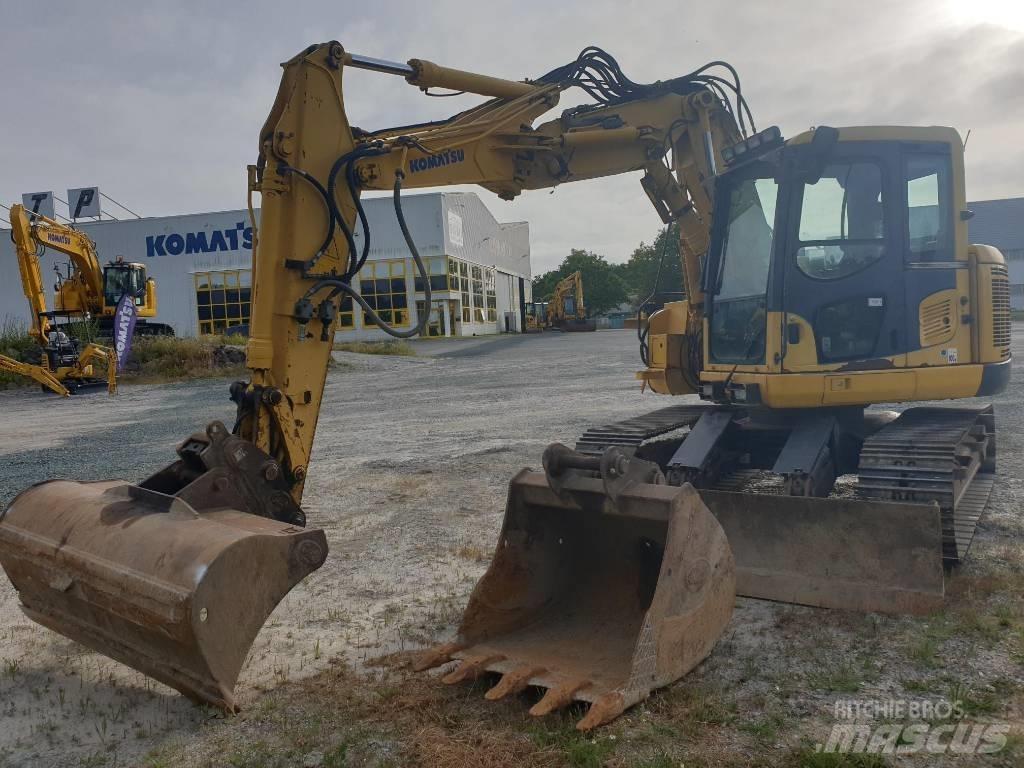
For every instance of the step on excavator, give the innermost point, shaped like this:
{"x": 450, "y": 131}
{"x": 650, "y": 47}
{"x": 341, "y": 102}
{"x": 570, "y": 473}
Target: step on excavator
{"x": 823, "y": 275}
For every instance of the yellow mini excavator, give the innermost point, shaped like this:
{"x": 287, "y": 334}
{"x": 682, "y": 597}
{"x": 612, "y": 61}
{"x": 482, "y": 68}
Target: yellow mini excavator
{"x": 823, "y": 274}
{"x": 566, "y": 311}
{"x": 88, "y": 291}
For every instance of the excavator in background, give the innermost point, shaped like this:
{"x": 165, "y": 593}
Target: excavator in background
{"x": 536, "y": 316}
{"x": 86, "y": 292}
{"x": 823, "y": 274}
{"x": 566, "y": 311}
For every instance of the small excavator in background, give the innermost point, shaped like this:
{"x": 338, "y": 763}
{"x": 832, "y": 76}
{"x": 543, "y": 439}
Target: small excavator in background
{"x": 566, "y": 311}
{"x": 563, "y": 312}
{"x": 536, "y": 316}
{"x": 822, "y": 275}
{"x": 86, "y": 292}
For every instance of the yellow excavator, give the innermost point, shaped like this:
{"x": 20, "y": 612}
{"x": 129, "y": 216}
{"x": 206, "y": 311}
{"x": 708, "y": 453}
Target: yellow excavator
{"x": 823, "y": 274}
{"x": 536, "y": 316}
{"x": 87, "y": 291}
{"x": 566, "y": 311}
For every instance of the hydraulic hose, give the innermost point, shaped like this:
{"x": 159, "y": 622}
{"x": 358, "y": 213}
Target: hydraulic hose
{"x": 343, "y": 286}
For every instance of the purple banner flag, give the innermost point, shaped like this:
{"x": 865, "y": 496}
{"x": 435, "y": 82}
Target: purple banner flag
{"x": 124, "y": 327}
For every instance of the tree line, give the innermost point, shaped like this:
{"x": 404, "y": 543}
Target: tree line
{"x": 607, "y": 285}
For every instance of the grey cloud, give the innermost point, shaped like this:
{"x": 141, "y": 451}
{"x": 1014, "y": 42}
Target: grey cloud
{"x": 160, "y": 103}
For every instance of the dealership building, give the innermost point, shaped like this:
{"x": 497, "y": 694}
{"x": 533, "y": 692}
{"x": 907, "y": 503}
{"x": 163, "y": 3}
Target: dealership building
{"x": 1001, "y": 223}
{"x": 202, "y": 263}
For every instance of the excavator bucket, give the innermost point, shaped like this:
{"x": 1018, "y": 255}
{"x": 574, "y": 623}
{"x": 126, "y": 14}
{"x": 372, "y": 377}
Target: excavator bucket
{"x": 144, "y": 578}
{"x": 596, "y": 597}
{"x": 851, "y": 554}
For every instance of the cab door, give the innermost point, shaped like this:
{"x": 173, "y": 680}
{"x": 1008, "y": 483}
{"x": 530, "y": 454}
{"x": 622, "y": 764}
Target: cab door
{"x": 843, "y": 274}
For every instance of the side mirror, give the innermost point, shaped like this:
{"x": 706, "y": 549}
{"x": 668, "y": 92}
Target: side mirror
{"x": 808, "y": 161}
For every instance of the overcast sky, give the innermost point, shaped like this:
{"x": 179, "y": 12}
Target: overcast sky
{"x": 160, "y": 104}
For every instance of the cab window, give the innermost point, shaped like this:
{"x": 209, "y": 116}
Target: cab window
{"x": 929, "y": 231}
{"x": 842, "y": 221}
{"x": 738, "y": 312}
{"x": 122, "y": 279}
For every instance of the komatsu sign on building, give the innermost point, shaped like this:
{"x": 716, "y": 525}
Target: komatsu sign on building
{"x": 202, "y": 263}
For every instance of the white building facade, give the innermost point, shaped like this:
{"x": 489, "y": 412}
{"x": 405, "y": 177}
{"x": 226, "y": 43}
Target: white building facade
{"x": 202, "y": 263}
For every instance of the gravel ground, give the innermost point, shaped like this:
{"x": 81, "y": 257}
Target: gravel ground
{"x": 408, "y": 478}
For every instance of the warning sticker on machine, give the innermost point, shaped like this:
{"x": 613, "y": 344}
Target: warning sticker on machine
{"x": 950, "y": 354}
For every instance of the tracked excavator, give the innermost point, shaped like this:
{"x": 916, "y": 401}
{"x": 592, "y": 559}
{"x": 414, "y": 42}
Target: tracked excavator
{"x": 566, "y": 310}
{"x": 823, "y": 274}
{"x": 87, "y": 291}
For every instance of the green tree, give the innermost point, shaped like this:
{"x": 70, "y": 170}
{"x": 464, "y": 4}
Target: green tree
{"x": 641, "y": 269}
{"x": 604, "y": 286}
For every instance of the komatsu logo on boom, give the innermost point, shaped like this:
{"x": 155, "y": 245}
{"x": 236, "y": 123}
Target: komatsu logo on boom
{"x": 203, "y": 241}
{"x": 448, "y": 157}
{"x": 53, "y": 237}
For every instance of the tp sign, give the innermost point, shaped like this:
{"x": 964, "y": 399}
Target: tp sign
{"x": 84, "y": 202}
{"x": 39, "y": 202}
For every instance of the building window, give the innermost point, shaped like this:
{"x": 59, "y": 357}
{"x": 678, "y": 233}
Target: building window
{"x": 435, "y": 325}
{"x": 346, "y": 317}
{"x": 382, "y": 286}
{"x": 492, "y": 300}
{"x": 477, "y": 284}
{"x": 438, "y": 275}
{"x": 467, "y": 307}
{"x": 453, "y": 274}
{"x": 223, "y": 299}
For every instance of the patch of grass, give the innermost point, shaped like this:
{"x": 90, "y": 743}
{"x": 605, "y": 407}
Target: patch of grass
{"x": 658, "y": 761}
{"x": 841, "y": 678}
{"x": 94, "y": 760}
{"x": 1014, "y": 746}
{"x": 16, "y": 343}
{"x": 765, "y": 729}
{"x": 1017, "y": 646}
{"x": 971, "y": 702}
{"x": 253, "y": 755}
{"x": 171, "y": 358}
{"x": 337, "y": 757}
{"x": 928, "y": 685}
{"x": 579, "y": 750}
{"x": 589, "y": 753}
{"x": 984, "y": 627}
{"x": 925, "y": 651}
{"x": 808, "y": 758}
{"x": 707, "y": 706}
{"x": 396, "y": 347}
{"x": 473, "y": 553}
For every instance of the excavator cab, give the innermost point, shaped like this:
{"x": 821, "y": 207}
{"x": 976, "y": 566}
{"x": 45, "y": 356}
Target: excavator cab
{"x": 121, "y": 278}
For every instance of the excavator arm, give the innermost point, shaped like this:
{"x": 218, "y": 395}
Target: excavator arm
{"x": 82, "y": 293}
{"x": 313, "y": 165}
